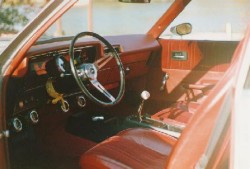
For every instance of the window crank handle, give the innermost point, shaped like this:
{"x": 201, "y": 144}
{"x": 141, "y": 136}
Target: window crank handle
{"x": 164, "y": 81}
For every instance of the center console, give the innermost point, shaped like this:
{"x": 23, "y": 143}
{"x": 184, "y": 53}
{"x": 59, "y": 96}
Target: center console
{"x": 138, "y": 120}
{"x": 147, "y": 122}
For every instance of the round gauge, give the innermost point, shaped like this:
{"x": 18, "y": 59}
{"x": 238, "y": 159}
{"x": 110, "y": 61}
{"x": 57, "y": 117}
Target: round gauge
{"x": 60, "y": 65}
{"x": 56, "y": 66}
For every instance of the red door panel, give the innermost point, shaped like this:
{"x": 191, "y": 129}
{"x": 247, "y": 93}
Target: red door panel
{"x": 205, "y": 63}
{"x": 202, "y": 55}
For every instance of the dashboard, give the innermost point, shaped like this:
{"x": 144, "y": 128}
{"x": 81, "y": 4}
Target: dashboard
{"x": 46, "y": 68}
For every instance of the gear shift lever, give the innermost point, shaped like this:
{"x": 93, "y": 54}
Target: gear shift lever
{"x": 145, "y": 96}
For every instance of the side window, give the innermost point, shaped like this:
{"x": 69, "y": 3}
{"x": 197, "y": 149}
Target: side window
{"x": 15, "y": 14}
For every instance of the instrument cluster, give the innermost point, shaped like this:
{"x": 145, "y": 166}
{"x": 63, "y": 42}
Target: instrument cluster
{"x": 56, "y": 63}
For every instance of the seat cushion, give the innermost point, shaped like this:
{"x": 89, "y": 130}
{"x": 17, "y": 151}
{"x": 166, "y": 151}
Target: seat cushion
{"x": 133, "y": 148}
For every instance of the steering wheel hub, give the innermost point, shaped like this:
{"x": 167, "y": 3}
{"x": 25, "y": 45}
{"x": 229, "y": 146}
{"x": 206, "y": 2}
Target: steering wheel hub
{"x": 90, "y": 71}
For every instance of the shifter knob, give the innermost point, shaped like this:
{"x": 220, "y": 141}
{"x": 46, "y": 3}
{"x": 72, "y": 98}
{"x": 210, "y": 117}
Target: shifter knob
{"x": 145, "y": 95}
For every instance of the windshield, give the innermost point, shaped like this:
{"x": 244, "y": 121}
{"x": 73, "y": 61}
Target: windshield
{"x": 211, "y": 20}
{"x": 109, "y": 17}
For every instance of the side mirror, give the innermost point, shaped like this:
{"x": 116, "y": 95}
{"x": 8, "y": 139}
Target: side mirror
{"x": 135, "y": 1}
{"x": 182, "y": 29}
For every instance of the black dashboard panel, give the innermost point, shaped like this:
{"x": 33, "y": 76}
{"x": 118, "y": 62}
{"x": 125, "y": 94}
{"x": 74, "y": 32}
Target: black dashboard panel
{"x": 31, "y": 92}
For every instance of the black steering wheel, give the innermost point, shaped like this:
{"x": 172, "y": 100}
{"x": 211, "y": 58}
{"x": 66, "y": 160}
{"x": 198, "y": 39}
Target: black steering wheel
{"x": 89, "y": 71}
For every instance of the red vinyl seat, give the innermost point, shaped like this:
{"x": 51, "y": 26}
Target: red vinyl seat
{"x": 146, "y": 148}
{"x": 139, "y": 147}
{"x": 132, "y": 148}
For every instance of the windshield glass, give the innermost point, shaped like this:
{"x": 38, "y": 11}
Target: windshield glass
{"x": 109, "y": 17}
{"x": 211, "y": 20}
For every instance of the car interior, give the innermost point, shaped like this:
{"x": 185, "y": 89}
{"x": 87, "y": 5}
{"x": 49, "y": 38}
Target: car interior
{"x": 48, "y": 131}
{"x": 125, "y": 101}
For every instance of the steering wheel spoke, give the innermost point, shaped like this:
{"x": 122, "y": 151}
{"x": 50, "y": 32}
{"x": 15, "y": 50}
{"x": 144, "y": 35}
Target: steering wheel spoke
{"x": 103, "y": 61}
{"x": 102, "y": 89}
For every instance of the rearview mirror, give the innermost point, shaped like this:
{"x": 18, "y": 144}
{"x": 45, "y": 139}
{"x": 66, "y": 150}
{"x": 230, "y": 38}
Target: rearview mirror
{"x": 182, "y": 29}
{"x": 135, "y": 1}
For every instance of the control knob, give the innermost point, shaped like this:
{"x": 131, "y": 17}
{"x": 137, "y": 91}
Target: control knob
{"x": 81, "y": 101}
{"x": 17, "y": 124}
{"x": 34, "y": 117}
